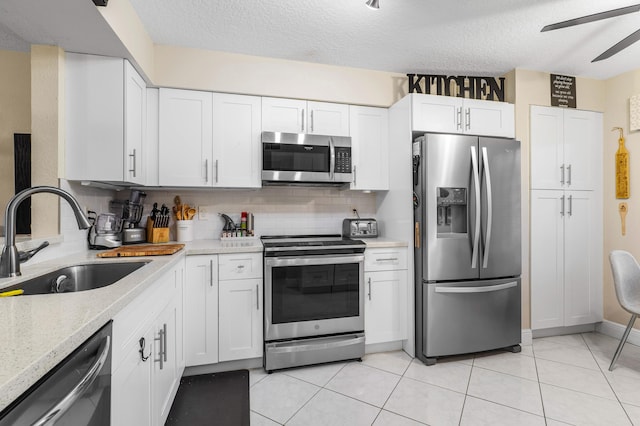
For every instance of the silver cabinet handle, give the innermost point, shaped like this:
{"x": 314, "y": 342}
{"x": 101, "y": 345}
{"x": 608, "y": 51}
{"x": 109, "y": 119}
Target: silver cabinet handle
{"x": 484, "y": 289}
{"x": 206, "y": 170}
{"x": 240, "y": 266}
{"x": 570, "y": 205}
{"x": 569, "y": 175}
{"x": 311, "y": 121}
{"x": 355, "y": 180}
{"x": 133, "y": 157}
{"x": 562, "y": 206}
{"x": 369, "y": 288}
{"x": 257, "y": 298}
{"x": 302, "y": 127}
{"x": 388, "y": 259}
{"x": 459, "y": 118}
{"x": 487, "y": 173}
{"x": 216, "y": 165}
{"x": 467, "y": 124}
{"x": 52, "y": 416}
{"x": 162, "y": 353}
{"x": 476, "y": 181}
{"x": 211, "y": 272}
{"x": 562, "y": 175}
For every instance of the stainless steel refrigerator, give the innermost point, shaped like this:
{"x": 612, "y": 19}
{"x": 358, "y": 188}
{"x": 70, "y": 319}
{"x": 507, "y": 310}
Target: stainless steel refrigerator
{"x": 467, "y": 244}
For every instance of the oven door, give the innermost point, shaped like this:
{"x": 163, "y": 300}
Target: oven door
{"x": 313, "y": 295}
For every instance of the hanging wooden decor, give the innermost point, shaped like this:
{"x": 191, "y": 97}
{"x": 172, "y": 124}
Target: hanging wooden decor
{"x": 623, "y": 209}
{"x": 622, "y": 167}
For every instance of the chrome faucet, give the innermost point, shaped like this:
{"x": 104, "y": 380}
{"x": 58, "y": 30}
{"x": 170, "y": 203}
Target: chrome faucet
{"x": 10, "y": 258}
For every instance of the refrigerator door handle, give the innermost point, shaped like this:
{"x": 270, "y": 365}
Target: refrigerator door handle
{"x": 487, "y": 242}
{"x": 476, "y": 181}
{"x": 482, "y": 289}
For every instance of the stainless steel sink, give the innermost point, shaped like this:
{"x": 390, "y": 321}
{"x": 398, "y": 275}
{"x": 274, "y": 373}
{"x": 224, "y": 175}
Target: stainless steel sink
{"x": 77, "y": 278}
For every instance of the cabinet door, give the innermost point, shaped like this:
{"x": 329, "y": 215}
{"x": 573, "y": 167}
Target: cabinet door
{"x": 489, "y": 118}
{"x": 284, "y": 115}
{"x": 135, "y": 116}
{"x": 240, "y": 319}
{"x": 582, "y": 259}
{"x": 370, "y": 147}
{"x": 131, "y": 383}
{"x": 547, "y": 148}
{"x": 328, "y": 118}
{"x": 94, "y": 102}
{"x": 385, "y": 306}
{"x": 237, "y": 146}
{"x": 165, "y": 380}
{"x": 441, "y": 114}
{"x": 185, "y": 138}
{"x": 582, "y": 149}
{"x": 201, "y": 310}
{"x": 547, "y": 259}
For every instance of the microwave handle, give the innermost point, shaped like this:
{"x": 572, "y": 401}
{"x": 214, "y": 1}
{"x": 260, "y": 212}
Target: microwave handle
{"x": 332, "y": 158}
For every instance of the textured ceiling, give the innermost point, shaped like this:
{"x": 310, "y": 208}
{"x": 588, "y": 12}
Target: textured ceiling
{"x": 456, "y": 37}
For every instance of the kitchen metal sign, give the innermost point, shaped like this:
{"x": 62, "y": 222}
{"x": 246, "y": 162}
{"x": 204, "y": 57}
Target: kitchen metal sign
{"x": 486, "y": 88}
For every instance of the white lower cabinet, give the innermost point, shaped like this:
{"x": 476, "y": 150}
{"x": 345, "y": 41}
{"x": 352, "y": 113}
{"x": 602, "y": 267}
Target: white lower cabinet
{"x": 385, "y": 292}
{"x": 240, "y": 317}
{"x": 147, "y": 358}
{"x": 223, "y": 308}
{"x": 201, "y": 313}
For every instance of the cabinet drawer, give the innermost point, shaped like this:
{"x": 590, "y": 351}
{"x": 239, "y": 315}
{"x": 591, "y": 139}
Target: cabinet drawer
{"x": 239, "y": 266}
{"x": 384, "y": 259}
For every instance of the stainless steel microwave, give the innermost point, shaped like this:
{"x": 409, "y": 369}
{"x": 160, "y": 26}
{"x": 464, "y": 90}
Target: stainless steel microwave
{"x": 302, "y": 159}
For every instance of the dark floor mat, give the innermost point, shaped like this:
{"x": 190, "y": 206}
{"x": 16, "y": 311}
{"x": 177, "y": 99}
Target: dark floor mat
{"x": 212, "y": 399}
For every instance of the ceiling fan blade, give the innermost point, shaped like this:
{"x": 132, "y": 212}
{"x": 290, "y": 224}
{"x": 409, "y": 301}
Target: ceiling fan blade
{"x": 592, "y": 18}
{"x": 622, "y": 44}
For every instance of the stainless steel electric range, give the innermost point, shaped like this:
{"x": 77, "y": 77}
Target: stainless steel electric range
{"x": 314, "y": 300}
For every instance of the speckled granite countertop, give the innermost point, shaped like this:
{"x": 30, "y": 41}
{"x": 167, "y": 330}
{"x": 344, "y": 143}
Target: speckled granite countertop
{"x": 39, "y": 331}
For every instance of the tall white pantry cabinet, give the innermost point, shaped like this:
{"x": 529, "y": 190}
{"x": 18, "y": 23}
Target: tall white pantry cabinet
{"x": 566, "y": 217}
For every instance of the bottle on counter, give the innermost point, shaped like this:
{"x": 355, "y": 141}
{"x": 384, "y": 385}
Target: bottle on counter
{"x": 243, "y": 224}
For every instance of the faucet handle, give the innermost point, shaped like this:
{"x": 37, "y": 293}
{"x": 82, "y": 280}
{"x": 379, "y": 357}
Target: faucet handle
{"x": 23, "y": 256}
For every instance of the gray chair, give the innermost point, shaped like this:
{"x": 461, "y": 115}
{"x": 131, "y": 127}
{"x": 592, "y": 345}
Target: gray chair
{"x": 626, "y": 277}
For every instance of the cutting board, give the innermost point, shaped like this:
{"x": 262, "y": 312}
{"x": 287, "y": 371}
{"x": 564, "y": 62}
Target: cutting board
{"x": 142, "y": 250}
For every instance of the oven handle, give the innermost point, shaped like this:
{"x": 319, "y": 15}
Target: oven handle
{"x": 51, "y": 416}
{"x": 316, "y": 346}
{"x": 313, "y": 260}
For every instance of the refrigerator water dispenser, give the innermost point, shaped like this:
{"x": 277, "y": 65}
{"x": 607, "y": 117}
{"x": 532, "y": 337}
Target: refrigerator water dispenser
{"x": 452, "y": 211}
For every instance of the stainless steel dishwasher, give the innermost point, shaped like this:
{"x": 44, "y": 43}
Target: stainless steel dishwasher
{"x": 76, "y": 392}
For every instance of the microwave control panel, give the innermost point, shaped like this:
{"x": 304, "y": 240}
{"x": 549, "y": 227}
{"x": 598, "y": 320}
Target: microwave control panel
{"x": 343, "y": 160}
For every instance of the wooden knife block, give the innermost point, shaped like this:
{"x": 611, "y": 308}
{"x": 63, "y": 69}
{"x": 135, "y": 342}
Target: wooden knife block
{"x": 156, "y": 235}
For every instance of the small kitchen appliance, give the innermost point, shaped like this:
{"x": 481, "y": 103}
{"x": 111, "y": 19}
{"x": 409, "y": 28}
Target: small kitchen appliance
{"x": 314, "y": 300}
{"x": 303, "y": 159}
{"x": 131, "y": 213}
{"x": 105, "y": 231}
{"x": 359, "y": 228}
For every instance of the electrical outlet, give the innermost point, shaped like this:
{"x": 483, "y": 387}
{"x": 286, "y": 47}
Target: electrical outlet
{"x": 203, "y": 213}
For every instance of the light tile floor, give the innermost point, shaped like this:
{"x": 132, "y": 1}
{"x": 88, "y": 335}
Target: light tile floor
{"x": 561, "y": 380}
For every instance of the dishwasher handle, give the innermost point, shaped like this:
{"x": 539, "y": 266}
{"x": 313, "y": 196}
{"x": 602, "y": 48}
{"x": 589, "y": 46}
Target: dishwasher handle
{"x": 481, "y": 289}
{"x": 52, "y": 416}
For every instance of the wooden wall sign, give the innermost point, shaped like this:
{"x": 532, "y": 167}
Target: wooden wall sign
{"x": 622, "y": 167}
{"x": 487, "y": 88}
{"x": 563, "y": 91}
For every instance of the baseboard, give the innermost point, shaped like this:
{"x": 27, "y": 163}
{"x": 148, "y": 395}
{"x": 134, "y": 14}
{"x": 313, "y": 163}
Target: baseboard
{"x": 559, "y": 331}
{"x": 383, "y": 347}
{"x": 526, "y": 337}
{"x": 613, "y": 329}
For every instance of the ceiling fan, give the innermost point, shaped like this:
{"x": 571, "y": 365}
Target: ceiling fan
{"x": 622, "y": 44}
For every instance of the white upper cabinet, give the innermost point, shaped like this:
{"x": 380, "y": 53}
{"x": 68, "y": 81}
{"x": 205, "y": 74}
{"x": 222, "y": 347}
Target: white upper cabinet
{"x": 185, "y": 138}
{"x": 105, "y": 120}
{"x": 564, "y": 147}
{"x": 237, "y": 158}
{"x": 370, "y": 147}
{"x": 299, "y": 116}
{"x": 445, "y": 114}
